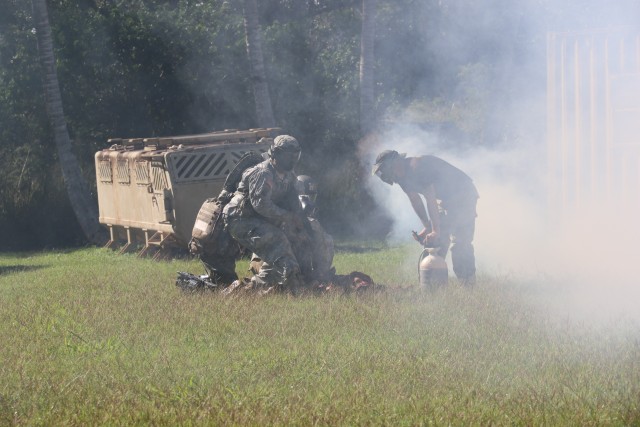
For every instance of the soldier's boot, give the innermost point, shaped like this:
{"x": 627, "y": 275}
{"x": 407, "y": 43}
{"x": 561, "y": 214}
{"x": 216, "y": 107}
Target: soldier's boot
{"x": 267, "y": 291}
{"x": 295, "y": 283}
{"x": 262, "y": 287}
{"x": 236, "y": 287}
{"x": 255, "y": 264}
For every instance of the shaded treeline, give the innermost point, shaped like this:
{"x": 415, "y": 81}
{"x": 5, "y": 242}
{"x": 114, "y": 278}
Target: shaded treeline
{"x": 152, "y": 67}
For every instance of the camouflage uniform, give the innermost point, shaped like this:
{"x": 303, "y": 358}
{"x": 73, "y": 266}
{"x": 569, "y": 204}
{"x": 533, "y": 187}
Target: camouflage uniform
{"x": 318, "y": 248}
{"x": 261, "y": 216}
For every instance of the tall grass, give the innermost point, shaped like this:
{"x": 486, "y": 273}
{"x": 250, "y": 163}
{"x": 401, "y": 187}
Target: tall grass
{"x": 89, "y": 337}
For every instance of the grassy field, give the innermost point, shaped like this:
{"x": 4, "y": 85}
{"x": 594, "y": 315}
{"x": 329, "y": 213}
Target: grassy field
{"x": 88, "y": 337}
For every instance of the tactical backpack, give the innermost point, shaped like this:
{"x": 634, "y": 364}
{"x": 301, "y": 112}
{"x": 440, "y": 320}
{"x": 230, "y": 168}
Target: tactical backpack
{"x": 206, "y": 225}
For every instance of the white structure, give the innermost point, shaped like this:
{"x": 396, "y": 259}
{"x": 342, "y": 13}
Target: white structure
{"x": 593, "y": 119}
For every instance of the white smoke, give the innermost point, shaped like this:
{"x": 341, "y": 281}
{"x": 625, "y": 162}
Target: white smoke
{"x": 587, "y": 256}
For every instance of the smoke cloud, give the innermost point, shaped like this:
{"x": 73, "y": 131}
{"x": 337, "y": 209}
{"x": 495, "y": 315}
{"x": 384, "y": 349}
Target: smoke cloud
{"x": 586, "y": 255}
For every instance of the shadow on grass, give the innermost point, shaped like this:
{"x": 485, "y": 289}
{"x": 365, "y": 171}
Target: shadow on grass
{"x": 9, "y": 269}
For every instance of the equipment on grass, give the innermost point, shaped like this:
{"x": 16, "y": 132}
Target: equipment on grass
{"x": 433, "y": 271}
{"x": 191, "y": 283}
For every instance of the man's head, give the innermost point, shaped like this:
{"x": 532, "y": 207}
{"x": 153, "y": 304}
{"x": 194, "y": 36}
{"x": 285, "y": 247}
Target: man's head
{"x": 386, "y": 165}
{"x": 284, "y": 152}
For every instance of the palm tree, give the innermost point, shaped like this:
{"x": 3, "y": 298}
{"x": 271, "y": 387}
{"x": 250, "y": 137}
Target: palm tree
{"x": 366, "y": 66}
{"x": 264, "y": 112}
{"x": 82, "y": 204}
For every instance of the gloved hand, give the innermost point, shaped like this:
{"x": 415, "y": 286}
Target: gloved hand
{"x": 195, "y": 248}
{"x": 292, "y": 221}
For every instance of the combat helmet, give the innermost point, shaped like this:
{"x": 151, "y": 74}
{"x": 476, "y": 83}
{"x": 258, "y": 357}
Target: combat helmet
{"x": 284, "y": 143}
{"x": 285, "y": 152}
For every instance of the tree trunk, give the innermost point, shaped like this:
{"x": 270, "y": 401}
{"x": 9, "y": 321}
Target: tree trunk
{"x": 264, "y": 112}
{"x": 367, "y": 119}
{"x": 81, "y": 201}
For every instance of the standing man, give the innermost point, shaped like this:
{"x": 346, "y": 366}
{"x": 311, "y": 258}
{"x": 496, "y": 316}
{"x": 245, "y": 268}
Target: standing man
{"x": 265, "y": 217}
{"x": 451, "y": 204}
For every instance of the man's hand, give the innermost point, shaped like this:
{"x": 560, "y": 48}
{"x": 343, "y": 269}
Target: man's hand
{"x": 432, "y": 239}
{"x": 195, "y": 247}
{"x": 423, "y": 234}
{"x": 292, "y": 222}
{"x": 296, "y": 221}
{"x": 426, "y": 238}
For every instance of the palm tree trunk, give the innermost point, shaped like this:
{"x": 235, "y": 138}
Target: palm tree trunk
{"x": 82, "y": 204}
{"x": 264, "y": 112}
{"x": 366, "y": 66}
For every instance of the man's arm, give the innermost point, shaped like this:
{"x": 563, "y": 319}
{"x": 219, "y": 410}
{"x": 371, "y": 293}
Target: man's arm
{"x": 418, "y": 208}
{"x": 431, "y": 223}
{"x": 260, "y": 196}
{"x": 432, "y": 207}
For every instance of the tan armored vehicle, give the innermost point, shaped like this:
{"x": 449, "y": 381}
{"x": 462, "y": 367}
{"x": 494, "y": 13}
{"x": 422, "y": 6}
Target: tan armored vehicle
{"x": 150, "y": 189}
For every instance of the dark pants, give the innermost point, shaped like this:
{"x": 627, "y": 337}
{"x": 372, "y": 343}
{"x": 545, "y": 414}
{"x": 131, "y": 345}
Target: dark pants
{"x": 219, "y": 258}
{"x": 457, "y": 226}
{"x": 221, "y": 268}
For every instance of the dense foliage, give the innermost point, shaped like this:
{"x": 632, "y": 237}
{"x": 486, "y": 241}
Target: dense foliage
{"x": 159, "y": 67}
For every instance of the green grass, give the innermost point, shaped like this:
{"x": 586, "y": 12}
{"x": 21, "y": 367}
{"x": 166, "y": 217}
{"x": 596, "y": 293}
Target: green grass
{"x": 89, "y": 337}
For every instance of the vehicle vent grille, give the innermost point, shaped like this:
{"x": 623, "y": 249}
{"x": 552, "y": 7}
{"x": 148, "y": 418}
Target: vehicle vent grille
{"x": 159, "y": 179}
{"x": 104, "y": 171}
{"x": 204, "y": 166}
{"x": 122, "y": 171}
{"x": 142, "y": 173}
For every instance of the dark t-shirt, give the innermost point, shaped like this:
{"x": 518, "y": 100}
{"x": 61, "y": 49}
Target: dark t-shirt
{"x": 451, "y": 184}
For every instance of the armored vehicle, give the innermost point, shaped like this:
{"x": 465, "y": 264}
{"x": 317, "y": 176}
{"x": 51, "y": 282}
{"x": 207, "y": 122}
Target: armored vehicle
{"x": 150, "y": 189}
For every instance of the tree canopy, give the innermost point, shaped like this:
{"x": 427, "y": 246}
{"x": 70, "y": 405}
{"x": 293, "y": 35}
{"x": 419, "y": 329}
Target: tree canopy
{"x": 164, "y": 67}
